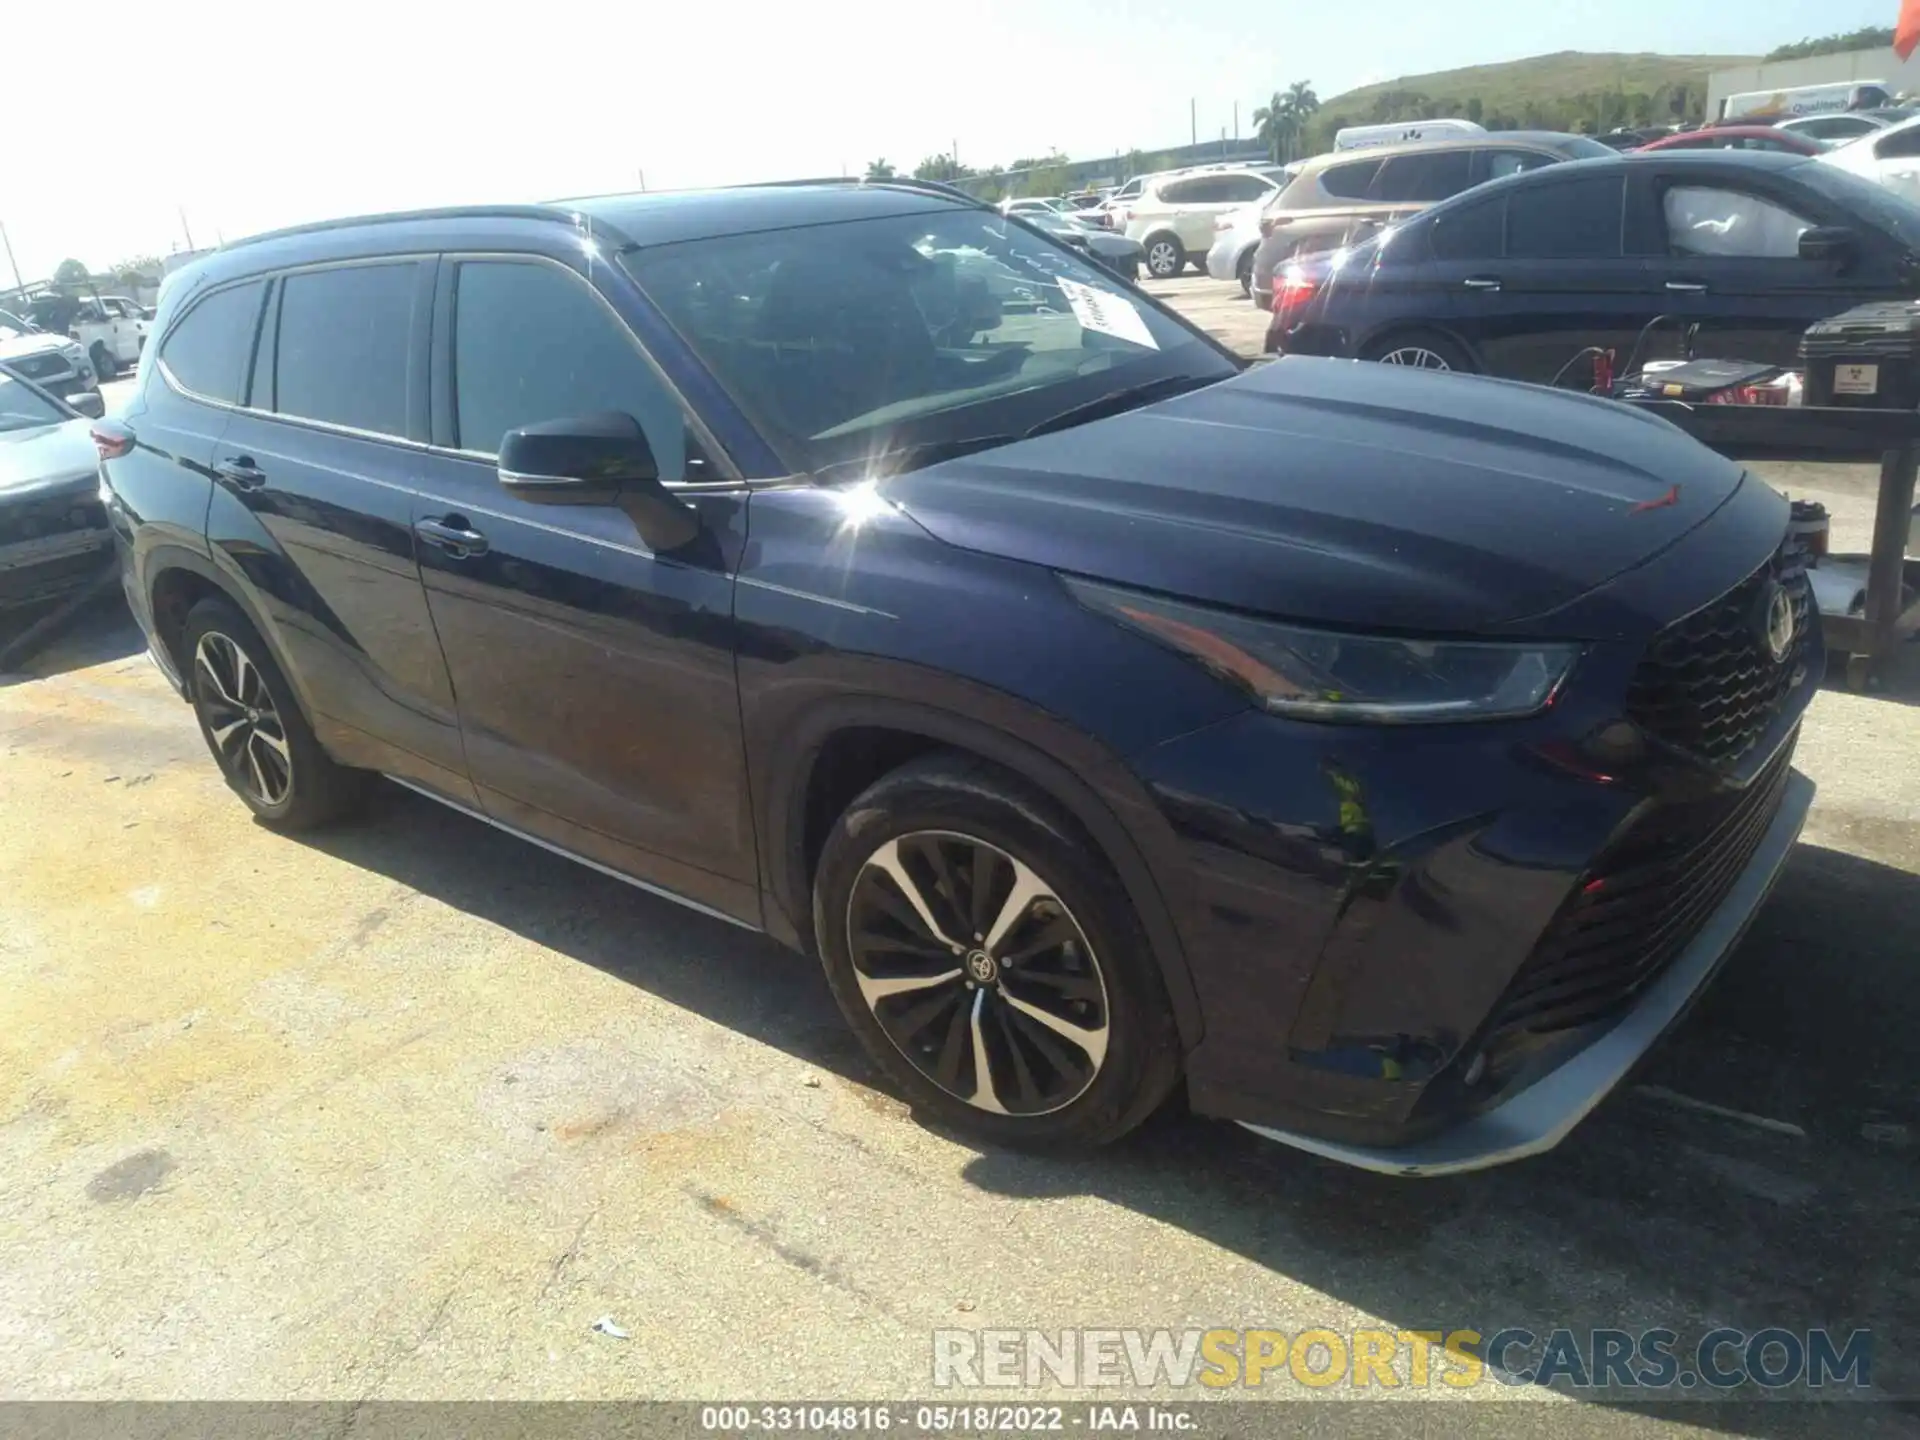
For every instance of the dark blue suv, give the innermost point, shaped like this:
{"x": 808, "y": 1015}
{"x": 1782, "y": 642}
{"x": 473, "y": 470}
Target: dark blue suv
{"x": 1389, "y": 756}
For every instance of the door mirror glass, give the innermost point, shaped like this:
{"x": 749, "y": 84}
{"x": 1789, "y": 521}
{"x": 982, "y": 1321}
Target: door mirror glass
{"x": 89, "y": 404}
{"x": 1826, "y": 242}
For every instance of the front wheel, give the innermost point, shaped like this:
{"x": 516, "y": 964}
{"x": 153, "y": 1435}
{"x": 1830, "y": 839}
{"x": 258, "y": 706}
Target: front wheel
{"x": 1165, "y": 256}
{"x": 993, "y": 969}
{"x": 254, "y": 727}
{"x": 103, "y": 366}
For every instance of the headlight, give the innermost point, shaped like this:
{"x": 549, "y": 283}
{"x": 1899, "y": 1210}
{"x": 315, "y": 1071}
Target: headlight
{"x": 1363, "y": 679}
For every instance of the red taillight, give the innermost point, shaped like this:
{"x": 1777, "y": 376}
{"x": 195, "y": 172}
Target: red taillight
{"x": 111, "y": 441}
{"x": 1293, "y": 289}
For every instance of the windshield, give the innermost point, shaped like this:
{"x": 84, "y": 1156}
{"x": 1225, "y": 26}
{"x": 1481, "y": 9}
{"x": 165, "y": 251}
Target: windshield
{"x": 846, "y": 340}
{"x": 1878, "y": 206}
{"x": 22, "y": 407}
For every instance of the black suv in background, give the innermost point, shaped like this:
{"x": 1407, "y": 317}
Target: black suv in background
{"x": 850, "y": 562}
{"x": 1518, "y": 277}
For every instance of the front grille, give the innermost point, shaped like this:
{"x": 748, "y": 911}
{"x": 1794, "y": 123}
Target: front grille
{"x": 1638, "y": 907}
{"x": 1708, "y": 683}
{"x": 39, "y": 367}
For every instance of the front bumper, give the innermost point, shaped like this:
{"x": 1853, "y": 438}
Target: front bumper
{"x": 51, "y": 544}
{"x": 1539, "y": 1117}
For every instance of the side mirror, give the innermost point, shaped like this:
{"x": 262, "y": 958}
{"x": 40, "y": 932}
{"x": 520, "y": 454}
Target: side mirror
{"x": 89, "y": 404}
{"x": 1827, "y": 242}
{"x": 599, "y": 459}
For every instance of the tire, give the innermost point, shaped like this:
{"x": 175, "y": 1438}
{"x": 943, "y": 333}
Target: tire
{"x": 254, "y": 727}
{"x": 102, "y": 358}
{"x": 1165, "y": 256}
{"x": 1244, "y": 273}
{"x": 1441, "y": 352}
{"x": 1073, "y": 948}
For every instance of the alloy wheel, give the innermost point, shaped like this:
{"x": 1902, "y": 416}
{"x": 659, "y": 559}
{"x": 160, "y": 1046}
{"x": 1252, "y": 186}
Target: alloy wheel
{"x": 978, "y": 973}
{"x": 1417, "y": 356}
{"x": 1163, "y": 260}
{"x": 249, "y": 738}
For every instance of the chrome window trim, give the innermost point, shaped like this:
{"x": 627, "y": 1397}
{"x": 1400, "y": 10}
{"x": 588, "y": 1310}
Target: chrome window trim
{"x": 732, "y": 482}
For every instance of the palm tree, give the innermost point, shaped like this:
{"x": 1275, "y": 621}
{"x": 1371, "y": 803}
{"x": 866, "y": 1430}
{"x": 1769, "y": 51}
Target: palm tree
{"x": 879, "y": 170}
{"x": 1274, "y": 127}
{"x": 1301, "y": 104}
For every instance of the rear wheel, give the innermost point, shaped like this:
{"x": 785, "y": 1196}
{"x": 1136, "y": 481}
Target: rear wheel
{"x": 254, "y": 727}
{"x": 1244, "y": 271}
{"x": 103, "y": 366}
{"x": 993, "y": 969}
{"x": 1165, "y": 256}
{"x": 1420, "y": 350}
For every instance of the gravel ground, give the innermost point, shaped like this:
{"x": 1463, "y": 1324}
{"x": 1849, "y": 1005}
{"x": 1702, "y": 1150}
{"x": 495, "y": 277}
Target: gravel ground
{"x": 401, "y": 1110}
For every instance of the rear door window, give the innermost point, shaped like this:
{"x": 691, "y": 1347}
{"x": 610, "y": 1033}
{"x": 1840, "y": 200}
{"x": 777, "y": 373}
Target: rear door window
{"x": 208, "y": 350}
{"x": 1574, "y": 220}
{"x": 1429, "y": 176}
{"x": 345, "y": 344}
{"x": 1239, "y": 189}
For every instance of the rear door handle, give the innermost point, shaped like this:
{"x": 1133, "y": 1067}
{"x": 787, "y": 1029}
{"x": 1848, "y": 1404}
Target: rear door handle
{"x": 1481, "y": 282}
{"x": 241, "y": 473}
{"x": 1687, "y": 287}
{"x": 451, "y": 534}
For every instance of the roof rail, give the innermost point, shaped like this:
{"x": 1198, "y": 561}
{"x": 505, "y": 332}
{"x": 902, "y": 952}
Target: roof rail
{"x": 897, "y": 182}
{"x": 401, "y": 217}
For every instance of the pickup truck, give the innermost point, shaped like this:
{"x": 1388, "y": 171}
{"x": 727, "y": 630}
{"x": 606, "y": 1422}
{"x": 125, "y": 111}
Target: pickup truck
{"x": 110, "y": 328}
{"x": 53, "y": 362}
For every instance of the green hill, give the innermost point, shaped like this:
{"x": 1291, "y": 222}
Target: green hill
{"x": 1568, "y": 90}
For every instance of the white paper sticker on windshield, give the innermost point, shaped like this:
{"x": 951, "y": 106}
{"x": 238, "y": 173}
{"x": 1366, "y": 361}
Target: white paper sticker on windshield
{"x": 1108, "y": 313}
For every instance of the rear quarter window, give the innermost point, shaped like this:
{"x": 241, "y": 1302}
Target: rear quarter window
{"x": 208, "y": 351}
{"x": 1347, "y": 182}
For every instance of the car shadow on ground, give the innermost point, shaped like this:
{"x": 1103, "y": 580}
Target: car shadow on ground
{"x": 1655, "y": 1212}
{"x": 99, "y": 631}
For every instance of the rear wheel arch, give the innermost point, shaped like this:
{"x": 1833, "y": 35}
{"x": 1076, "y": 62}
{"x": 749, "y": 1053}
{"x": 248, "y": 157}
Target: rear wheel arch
{"x": 178, "y": 580}
{"x": 809, "y": 783}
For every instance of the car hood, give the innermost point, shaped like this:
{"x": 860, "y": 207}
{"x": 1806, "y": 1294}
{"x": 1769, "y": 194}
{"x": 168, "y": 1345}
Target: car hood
{"x": 46, "y": 456}
{"x": 17, "y": 345}
{"x": 1343, "y": 493}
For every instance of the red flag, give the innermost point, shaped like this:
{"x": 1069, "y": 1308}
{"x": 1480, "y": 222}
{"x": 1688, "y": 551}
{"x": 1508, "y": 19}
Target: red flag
{"x": 1906, "y": 32}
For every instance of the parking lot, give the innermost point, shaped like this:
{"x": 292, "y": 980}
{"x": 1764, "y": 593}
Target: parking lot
{"x": 400, "y": 1110}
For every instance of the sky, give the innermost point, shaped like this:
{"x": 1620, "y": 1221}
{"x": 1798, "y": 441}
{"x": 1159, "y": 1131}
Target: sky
{"x": 247, "y": 116}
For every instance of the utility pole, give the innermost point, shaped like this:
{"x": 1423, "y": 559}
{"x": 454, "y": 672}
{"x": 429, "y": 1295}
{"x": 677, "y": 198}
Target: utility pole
{"x": 954, "y": 154}
{"x": 18, "y": 283}
{"x": 1193, "y": 121}
{"x": 183, "y": 226}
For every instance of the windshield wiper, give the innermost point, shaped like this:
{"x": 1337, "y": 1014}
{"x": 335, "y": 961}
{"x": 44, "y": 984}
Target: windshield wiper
{"x": 1119, "y": 401}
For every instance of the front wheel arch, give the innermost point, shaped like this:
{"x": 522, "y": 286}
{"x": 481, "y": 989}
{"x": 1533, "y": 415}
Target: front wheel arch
{"x": 1444, "y": 342}
{"x": 783, "y": 776}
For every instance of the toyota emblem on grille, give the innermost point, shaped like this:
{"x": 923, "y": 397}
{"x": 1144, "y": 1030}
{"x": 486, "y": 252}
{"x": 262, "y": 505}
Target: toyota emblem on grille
{"x": 1776, "y": 622}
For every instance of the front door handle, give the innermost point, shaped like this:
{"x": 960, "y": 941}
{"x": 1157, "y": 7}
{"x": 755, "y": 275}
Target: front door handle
{"x": 241, "y": 473}
{"x": 1687, "y": 287}
{"x": 451, "y": 534}
{"x": 1481, "y": 282}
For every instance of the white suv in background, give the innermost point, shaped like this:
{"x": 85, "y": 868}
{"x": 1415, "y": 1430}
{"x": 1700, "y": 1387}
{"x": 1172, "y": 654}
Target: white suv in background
{"x": 1173, "y": 216}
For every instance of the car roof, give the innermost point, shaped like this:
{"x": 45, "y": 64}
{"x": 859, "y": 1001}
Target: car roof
{"x": 1540, "y": 139}
{"x": 618, "y": 222}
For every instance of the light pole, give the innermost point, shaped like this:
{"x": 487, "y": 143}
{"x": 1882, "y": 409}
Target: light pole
{"x": 14, "y": 264}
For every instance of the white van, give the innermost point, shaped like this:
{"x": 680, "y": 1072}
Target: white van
{"x": 1842, "y": 95}
{"x": 1357, "y": 137}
